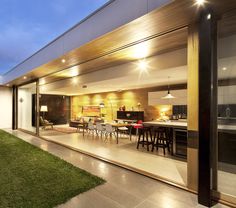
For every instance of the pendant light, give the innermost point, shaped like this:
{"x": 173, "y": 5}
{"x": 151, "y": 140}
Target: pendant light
{"x": 168, "y": 96}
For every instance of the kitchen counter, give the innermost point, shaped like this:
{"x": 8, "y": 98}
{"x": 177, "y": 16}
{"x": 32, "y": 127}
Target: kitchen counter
{"x": 226, "y": 139}
{"x": 171, "y": 124}
{"x": 183, "y": 125}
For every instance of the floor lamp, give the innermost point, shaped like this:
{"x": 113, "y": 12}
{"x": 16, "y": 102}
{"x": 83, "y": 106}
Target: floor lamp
{"x": 102, "y": 105}
{"x": 44, "y": 109}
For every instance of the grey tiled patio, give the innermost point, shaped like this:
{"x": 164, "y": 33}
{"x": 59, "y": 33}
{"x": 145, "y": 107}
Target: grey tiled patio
{"x": 123, "y": 188}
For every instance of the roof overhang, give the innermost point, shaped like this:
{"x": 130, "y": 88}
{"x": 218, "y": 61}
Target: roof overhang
{"x": 160, "y": 30}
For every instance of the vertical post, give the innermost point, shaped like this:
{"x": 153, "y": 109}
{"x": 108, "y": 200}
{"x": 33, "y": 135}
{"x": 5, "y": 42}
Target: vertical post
{"x": 207, "y": 102}
{"x": 14, "y": 107}
{"x": 37, "y": 108}
{"x": 193, "y": 105}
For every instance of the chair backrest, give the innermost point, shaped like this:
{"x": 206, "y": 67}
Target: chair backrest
{"x": 99, "y": 126}
{"x": 41, "y": 120}
{"x": 90, "y": 126}
{"x": 108, "y": 128}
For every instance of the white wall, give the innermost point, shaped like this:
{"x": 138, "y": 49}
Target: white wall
{"x": 25, "y": 109}
{"x": 5, "y": 107}
{"x": 155, "y": 98}
{"x": 227, "y": 95}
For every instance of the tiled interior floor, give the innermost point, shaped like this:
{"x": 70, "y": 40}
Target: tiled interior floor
{"x": 122, "y": 189}
{"x": 125, "y": 153}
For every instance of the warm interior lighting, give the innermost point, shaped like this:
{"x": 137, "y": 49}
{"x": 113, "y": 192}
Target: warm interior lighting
{"x": 224, "y": 68}
{"x": 42, "y": 81}
{"x": 74, "y": 72}
{"x": 209, "y": 16}
{"x": 200, "y": 2}
{"x": 25, "y": 77}
{"x": 102, "y": 105}
{"x": 74, "y": 80}
{"x": 143, "y": 65}
{"x": 44, "y": 108}
{"x": 140, "y": 51}
{"x": 168, "y": 96}
{"x": 63, "y": 61}
{"x": 7, "y": 85}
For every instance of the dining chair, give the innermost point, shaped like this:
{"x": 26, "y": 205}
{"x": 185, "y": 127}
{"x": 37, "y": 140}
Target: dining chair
{"x": 91, "y": 128}
{"x": 100, "y": 129}
{"x": 124, "y": 130}
{"x": 109, "y": 130}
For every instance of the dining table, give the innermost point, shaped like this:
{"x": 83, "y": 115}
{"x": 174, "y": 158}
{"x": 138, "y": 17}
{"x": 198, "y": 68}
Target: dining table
{"x": 116, "y": 126}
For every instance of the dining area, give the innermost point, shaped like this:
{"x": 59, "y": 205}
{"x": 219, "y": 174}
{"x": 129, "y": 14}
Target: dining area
{"x": 164, "y": 137}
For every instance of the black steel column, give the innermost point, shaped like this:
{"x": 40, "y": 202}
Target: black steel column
{"x": 207, "y": 102}
{"x": 14, "y": 108}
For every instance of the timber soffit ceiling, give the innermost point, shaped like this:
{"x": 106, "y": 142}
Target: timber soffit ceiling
{"x": 159, "y": 31}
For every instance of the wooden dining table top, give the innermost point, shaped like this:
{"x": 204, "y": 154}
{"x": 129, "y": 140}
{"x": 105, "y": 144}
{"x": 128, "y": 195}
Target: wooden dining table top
{"x": 118, "y": 124}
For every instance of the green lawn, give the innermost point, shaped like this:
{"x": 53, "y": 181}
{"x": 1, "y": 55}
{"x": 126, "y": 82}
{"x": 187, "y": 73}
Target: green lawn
{"x": 31, "y": 177}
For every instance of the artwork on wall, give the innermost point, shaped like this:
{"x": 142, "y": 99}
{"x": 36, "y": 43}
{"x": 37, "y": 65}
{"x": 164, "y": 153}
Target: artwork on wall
{"x": 91, "y": 111}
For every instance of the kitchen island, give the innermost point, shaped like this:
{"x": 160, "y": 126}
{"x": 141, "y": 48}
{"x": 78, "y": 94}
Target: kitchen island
{"x": 226, "y": 139}
{"x": 178, "y": 134}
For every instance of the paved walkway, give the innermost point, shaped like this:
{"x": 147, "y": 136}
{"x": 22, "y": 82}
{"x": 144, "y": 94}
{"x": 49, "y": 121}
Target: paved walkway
{"x": 123, "y": 188}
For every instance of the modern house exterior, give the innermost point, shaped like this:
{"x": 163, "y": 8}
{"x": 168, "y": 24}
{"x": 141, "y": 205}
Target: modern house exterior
{"x": 120, "y": 63}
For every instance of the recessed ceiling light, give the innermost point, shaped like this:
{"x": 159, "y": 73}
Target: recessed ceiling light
{"x": 143, "y": 65}
{"x": 25, "y": 77}
{"x": 224, "y": 68}
{"x": 63, "y": 60}
{"x": 140, "y": 51}
{"x": 200, "y": 2}
{"x": 7, "y": 85}
{"x": 74, "y": 71}
{"x": 209, "y": 16}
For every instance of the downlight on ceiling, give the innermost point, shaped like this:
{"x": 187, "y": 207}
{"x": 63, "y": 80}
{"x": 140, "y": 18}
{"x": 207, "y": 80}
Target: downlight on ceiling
{"x": 200, "y": 2}
{"x": 63, "y": 61}
{"x": 209, "y": 16}
{"x": 143, "y": 65}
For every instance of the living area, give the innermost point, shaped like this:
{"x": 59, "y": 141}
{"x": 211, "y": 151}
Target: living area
{"x": 116, "y": 140}
{"x": 103, "y": 115}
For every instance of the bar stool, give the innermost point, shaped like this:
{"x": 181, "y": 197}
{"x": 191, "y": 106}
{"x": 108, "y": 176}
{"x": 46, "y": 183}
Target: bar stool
{"x": 145, "y": 137}
{"x": 161, "y": 139}
{"x": 137, "y": 126}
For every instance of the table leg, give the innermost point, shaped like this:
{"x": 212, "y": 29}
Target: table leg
{"x": 130, "y": 133}
{"x": 117, "y": 134}
{"x": 83, "y": 129}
